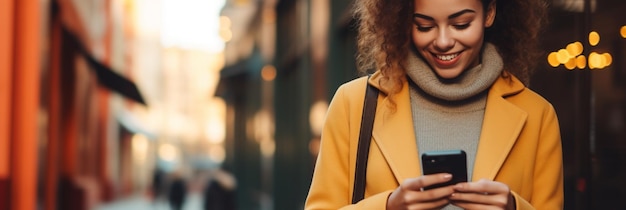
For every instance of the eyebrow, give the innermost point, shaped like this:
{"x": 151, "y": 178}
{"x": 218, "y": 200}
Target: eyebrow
{"x": 452, "y": 16}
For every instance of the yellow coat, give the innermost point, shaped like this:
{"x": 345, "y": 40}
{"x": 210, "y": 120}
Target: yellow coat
{"x": 520, "y": 145}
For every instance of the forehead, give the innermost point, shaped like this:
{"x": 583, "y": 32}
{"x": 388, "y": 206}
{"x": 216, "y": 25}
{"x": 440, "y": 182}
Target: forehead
{"x": 446, "y": 7}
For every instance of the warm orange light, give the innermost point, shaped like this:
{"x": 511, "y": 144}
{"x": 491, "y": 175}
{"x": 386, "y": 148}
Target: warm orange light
{"x": 575, "y": 48}
{"x": 581, "y": 62}
{"x": 226, "y": 35}
{"x": 571, "y": 57}
{"x": 595, "y": 61}
{"x": 139, "y": 145}
{"x": 622, "y": 31}
{"x": 608, "y": 59}
{"x": 225, "y": 22}
{"x": 563, "y": 56}
{"x": 571, "y": 64}
{"x": 317, "y": 115}
{"x": 168, "y": 152}
{"x": 594, "y": 38}
{"x": 552, "y": 59}
{"x": 269, "y": 16}
{"x": 268, "y": 73}
{"x": 215, "y": 125}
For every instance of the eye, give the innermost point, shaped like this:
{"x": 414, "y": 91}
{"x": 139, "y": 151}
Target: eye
{"x": 462, "y": 26}
{"x": 424, "y": 28}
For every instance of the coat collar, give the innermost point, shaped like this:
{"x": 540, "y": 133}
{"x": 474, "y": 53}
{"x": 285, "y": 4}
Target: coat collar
{"x": 394, "y": 134}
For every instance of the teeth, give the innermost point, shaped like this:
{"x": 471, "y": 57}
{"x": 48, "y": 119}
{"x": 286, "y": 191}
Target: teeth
{"x": 447, "y": 57}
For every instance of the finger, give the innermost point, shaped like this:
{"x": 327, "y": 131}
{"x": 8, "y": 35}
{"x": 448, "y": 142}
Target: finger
{"x": 418, "y": 183}
{"x": 433, "y": 194}
{"x": 493, "y": 199}
{"x": 436, "y": 204}
{"x": 469, "y": 205}
{"x": 419, "y": 199}
{"x": 482, "y": 186}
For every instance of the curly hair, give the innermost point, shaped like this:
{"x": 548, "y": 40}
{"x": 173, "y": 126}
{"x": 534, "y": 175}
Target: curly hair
{"x": 384, "y": 38}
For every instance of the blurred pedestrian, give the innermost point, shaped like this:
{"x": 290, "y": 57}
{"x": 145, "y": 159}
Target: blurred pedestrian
{"x": 219, "y": 192}
{"x": 157, "y": 184}
{"x": 177, "y": 191}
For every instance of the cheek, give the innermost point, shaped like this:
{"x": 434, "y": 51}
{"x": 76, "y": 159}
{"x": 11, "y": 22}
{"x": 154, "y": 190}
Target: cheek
{"x": 420, "y": 40}
{"x": 472, "y": 37}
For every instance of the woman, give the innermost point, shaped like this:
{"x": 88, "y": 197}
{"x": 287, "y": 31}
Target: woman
{"x": 451, "y": 75}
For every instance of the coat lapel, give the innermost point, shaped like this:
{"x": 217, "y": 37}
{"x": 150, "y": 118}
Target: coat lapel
{"x": 502, "y": 125}
{"x": 394, "y": 135}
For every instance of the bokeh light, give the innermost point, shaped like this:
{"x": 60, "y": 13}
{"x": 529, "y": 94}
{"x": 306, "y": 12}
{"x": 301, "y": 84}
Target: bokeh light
{"x": 140, "y": 144}
{"x": 552, "y": 59}
{"x": 572, "y": 56}
{"x": 268, "y": 73}
{"x": 168, "y": 152}
{"x": 595, "y": 61}
{"x": 594, "y": 38}
{"x": 570, "y": 64}
{"x": 608, "y": 59}
{"x": 563, "y": 56}
{"x": 225, "y": 29}
{"x": 581, "y": 62}
{"x": 574, "y": 49}
{"x": 317, "y": 115}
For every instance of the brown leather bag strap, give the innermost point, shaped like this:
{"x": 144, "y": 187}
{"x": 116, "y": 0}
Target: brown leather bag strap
{"x": 365, "y": 137}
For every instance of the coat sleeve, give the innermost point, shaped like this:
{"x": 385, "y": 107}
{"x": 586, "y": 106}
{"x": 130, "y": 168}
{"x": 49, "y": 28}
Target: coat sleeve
{"x": 548, "y": 173}
{"x": 331, "y": 186}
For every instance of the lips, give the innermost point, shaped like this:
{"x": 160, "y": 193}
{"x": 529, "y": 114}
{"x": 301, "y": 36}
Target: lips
{"x": 446, "y": 60}
{"x": 447, "y": 57}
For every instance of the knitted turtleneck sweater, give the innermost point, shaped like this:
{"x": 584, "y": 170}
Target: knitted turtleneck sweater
{"x": 448, "y": 114}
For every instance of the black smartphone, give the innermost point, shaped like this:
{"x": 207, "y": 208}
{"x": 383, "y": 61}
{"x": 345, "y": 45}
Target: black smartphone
{"x": 448, "y": 161}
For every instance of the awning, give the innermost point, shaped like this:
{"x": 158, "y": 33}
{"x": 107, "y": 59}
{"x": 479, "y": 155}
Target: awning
{"x": 107, "y": 77}
{"x": 131, "y": 123}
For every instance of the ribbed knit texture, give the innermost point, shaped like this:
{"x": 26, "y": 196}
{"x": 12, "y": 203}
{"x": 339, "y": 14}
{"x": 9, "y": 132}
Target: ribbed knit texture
{"x": 448, "y": 114}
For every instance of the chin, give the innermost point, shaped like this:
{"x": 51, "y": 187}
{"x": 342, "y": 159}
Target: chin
{"x": 448, "y": 74}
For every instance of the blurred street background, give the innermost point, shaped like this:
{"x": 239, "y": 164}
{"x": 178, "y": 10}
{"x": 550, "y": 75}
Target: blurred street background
{"x": 218, "y": 104}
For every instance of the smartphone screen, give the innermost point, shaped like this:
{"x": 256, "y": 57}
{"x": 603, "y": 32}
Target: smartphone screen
{"x": 448, "y": 161}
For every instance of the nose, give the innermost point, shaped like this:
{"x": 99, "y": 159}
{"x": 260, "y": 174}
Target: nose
{"x": 444, "y": 40}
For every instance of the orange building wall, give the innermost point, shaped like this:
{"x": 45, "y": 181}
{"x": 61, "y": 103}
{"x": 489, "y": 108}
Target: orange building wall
{"x": 6, "y": 58}
{"x": 19, "y": 102}
{"x": 6, "y": 38}
{"x": 25, "y": 105}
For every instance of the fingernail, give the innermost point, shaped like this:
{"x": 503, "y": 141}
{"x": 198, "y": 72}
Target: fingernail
{"x": 447, "y": 176}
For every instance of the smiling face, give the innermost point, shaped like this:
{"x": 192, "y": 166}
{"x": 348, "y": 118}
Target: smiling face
{"x": 449, "y": 34}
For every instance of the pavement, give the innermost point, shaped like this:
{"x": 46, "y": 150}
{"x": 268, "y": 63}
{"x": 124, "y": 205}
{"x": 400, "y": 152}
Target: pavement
{"x": 141, "y": 202}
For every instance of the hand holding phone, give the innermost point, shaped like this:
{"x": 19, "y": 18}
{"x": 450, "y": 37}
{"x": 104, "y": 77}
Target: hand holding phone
{"x": 449, "y": 161}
